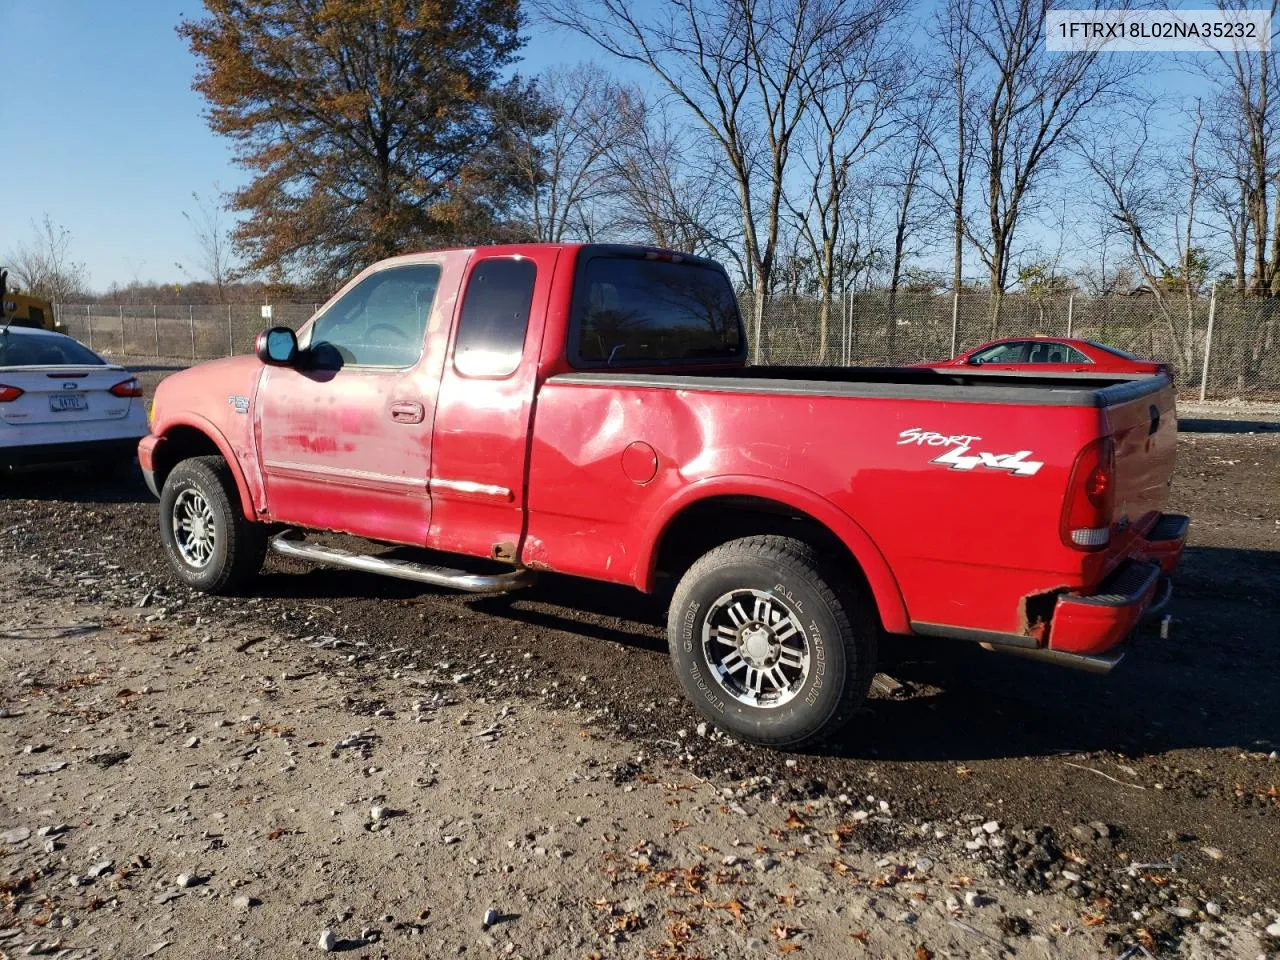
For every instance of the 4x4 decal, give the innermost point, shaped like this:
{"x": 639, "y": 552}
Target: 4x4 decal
{"x": 959, "y": 458}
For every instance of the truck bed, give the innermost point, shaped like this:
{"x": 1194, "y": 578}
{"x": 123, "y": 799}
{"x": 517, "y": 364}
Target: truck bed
{"x": 903, "y": 383}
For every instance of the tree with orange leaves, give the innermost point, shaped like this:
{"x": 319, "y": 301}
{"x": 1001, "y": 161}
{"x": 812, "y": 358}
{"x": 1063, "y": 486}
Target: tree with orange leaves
{"x": 370, "y": 127}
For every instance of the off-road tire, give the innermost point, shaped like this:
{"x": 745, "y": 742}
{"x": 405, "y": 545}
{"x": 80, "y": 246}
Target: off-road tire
{"x": 838, "y": 619}
{"x": 239, "y": 546}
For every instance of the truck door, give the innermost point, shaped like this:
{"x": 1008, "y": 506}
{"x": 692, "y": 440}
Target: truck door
{"x": 481, "y": 436}
{"x": 344, "y": 438}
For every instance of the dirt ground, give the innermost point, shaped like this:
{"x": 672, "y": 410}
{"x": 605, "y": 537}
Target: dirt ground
{"x": 1138, "y": 808}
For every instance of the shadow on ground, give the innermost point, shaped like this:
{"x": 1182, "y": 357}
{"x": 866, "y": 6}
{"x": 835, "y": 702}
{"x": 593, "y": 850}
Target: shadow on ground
{"x": 76, "y": 483}
{"x": 1207, "y": 425}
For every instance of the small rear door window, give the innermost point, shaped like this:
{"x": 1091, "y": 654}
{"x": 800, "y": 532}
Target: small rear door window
{"x": 632, "y": 311}
{"x": 494, "y": 317}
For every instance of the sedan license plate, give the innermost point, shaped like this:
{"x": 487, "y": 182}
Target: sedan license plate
{"x": 72, "y": 402}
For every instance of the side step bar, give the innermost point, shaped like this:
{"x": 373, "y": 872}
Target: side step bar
{"x": 1096, "y": 663}
{"x": 291, "y": 544}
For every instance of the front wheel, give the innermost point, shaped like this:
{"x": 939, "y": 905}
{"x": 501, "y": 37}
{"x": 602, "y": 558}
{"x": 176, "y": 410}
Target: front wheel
{"x": 771, "y": 645}
{"x": 209, "y": 542}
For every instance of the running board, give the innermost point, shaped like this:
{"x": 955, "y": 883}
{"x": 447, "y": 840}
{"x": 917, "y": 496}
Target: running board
{"x": 290, "y": 544}
{"x": 1098, "y": 663}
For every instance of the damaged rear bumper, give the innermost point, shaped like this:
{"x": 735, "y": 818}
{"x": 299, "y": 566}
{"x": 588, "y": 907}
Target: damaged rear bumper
{"x": 1087, "y": 630}
{"x": 1140, "y": 588}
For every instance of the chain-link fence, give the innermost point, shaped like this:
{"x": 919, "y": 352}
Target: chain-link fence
{"x": 876, "y": 329}
{"x": 198, "y": 332}
{"x": 857, "y": 329}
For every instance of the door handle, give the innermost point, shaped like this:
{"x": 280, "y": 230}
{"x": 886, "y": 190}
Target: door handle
{"x": 1155, "y": 420}
{"x": 407, "y": 411}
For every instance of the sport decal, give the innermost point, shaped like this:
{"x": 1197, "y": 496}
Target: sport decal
{"x": 958, "y": 456}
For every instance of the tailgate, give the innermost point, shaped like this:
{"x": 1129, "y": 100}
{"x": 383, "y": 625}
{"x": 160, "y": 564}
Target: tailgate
{"x": 1144, "y": 431}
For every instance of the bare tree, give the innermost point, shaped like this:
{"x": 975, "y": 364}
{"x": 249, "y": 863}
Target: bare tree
{"x": 1015, "y": 106}
{"x": 909, "y": 165}
{"x": 952, "y": 141}
{"x": 1244, "y": 135}
{"x": 44, "y": 265}
{"x": 663, "y": 185}
{"x": 1155, "y": 204}
{"x": 746, "y": 70}
{"x": 213, "y": 241}
{"x": 850, "y": 116}
{"x": 560, "y": 157}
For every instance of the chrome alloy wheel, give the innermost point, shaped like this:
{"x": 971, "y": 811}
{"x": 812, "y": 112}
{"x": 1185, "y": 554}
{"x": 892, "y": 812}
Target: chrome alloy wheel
{"x": 194, "y": 530}
{"x": 756, "y": 648}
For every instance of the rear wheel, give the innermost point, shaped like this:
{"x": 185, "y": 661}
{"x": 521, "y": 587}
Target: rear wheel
{"x": 209, "y": 542}
{"x": 770, "y": 644}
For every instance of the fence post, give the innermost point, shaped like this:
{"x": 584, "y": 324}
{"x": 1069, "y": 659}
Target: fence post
{"x": 1208, "y": 339}
{"x": 955, "y": 320}
{"x": 155, "y": 322}
{"x": 844, "y": 330}
{"x": 123, "y": 349}
{"x": 88, "y": 322}
{"x": 1071, "y": 309}
{"x": 191, "y": 322}
{"x": 231, "y": 337}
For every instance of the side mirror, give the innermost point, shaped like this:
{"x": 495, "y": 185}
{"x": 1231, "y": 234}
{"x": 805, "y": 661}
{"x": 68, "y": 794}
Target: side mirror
{"x": 974, "y": 361}
{"x": 277, "y": 347}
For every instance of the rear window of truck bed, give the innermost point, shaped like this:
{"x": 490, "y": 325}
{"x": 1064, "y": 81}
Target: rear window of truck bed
{"x": 634, "y": 311}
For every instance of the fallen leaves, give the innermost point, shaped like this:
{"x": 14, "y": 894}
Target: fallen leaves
{"x": 681, "y": 882}
{"x": 783, "y": 931}
{"x": 82, "y": 680}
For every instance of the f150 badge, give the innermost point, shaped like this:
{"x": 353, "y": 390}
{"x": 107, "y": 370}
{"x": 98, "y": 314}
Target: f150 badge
{"x": 958, "y": 457}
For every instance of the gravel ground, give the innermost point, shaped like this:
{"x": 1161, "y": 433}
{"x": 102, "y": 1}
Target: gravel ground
{"x": 1137, "y": 808}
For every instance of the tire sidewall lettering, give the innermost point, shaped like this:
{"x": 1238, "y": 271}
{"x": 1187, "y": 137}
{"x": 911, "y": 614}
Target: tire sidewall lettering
{"x": 690, "y": 622}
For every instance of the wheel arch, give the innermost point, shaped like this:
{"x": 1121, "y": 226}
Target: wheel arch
{"x": 196, "y": 437}
{"x": 710, "y": 512}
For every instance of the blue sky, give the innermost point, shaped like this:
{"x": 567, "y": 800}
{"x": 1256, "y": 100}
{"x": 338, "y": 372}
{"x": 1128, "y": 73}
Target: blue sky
{"x": 104, "y": 133}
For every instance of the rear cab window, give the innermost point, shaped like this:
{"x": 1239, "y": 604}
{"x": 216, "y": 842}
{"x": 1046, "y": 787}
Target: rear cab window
{"x": 644, "y": 311}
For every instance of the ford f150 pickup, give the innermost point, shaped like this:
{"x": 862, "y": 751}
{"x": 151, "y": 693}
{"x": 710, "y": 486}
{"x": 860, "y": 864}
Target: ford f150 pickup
{"x": 588, "y": 410}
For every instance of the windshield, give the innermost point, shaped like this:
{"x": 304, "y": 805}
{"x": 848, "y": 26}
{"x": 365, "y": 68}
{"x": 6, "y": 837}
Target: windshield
{"x": 633, "y": 311}
{"x": 25, "y": 350}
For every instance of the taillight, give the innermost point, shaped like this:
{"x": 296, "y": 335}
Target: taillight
{"x": 1091, "y": 497}
{"x": 127, "y": 388}
{"x": 9, "y": 393}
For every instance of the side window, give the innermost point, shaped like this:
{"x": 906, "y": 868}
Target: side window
{"x": 1052, "y": 352}
{"x": 381, "y": 322}
{"x": 494, "y": 317}
{"x": 1075, "y": 356}
{"x": 1015, "y": 352}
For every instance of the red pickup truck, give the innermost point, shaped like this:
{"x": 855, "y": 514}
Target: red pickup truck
{"x": 588, "y": 410}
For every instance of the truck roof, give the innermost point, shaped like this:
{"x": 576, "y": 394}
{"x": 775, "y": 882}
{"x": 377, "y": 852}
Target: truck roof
{"x": 528, "y": 249}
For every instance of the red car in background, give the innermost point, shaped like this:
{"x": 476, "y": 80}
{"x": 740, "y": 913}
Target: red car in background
{"x": 1054, "y": 355}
